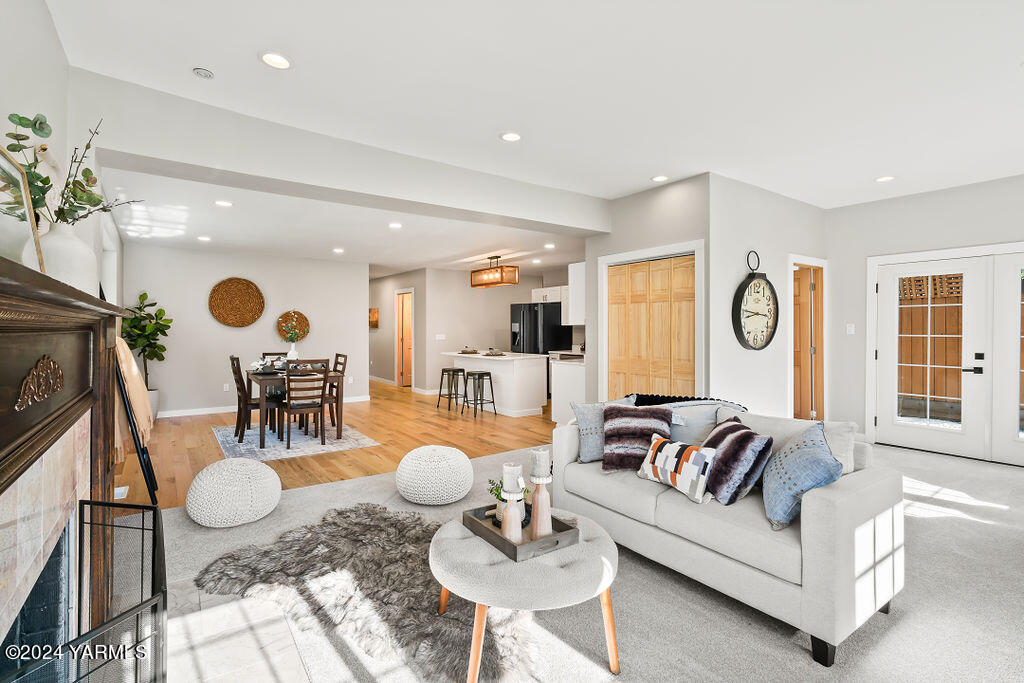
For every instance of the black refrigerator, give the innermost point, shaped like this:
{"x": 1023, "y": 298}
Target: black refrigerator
{"x": 538, "y": 328}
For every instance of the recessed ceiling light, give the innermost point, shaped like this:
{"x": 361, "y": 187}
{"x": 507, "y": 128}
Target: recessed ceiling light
{"x": 536, "y": 260}
{"x": 203, "y": 238}
{"x": 275, "y": 60}
{"x": 549, "y": 245}
{"x": 884, "y": 178}
{"x": 203, "y": 73}
{"x": 394, "y": 226}
{"x": 223, "y": 202}
{"x": 660, "y": 178}
{"x": 339, "y": 250}
{"x": 511, "y": 136}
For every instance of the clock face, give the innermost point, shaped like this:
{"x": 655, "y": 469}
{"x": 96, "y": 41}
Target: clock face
{"x": 755, "y": 313}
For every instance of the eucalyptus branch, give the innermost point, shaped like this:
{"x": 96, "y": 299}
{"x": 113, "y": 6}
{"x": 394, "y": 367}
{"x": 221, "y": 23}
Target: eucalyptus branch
{"x": 103, "y": 209}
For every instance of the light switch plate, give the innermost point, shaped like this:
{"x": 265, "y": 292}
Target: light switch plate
{"x": 440, "y": 337}
{"x": 851, "y": 328}
{"x": 226, "y": 388}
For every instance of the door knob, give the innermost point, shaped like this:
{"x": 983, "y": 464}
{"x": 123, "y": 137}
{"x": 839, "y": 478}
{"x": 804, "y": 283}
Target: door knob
{"x": 976, "y": 370}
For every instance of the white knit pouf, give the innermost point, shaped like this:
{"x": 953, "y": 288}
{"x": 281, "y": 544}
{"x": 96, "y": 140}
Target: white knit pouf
{"x": 434, "y": 475}
{"x": 231, "y": 492}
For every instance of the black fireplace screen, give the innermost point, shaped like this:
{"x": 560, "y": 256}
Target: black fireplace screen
{"x": 129, "y": 644}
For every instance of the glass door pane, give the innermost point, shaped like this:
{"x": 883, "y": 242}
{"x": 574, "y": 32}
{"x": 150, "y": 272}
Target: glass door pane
{"x": 930, "y": 336}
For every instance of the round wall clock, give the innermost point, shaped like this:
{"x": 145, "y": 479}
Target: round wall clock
{"x": 755, "y": 309}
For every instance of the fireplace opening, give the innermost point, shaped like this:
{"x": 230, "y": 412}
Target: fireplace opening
{"x": 45, "y": 619}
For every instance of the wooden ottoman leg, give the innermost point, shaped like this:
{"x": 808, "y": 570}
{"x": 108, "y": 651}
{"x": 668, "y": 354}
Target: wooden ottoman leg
{"x": 479, "y": 623}
{"x": 609, "y": 631}
{"x": 443, "y": 607}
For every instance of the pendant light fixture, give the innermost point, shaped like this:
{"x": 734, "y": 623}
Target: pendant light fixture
{"x": 494, "y": 275}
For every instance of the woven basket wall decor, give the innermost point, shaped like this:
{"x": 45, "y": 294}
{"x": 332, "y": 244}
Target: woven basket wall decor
{"x": 236, "y": 302}
{"x": 301, "y": 323}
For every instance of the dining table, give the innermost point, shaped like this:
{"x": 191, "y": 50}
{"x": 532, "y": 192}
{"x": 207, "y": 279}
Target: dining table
{"x": 266, "y": 380}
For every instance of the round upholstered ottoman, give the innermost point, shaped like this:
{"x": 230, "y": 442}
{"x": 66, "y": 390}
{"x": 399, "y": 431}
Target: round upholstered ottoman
{"x": 434, "y": 475}
{"x": 471, "y": 568}
{"x": 231, "y": 492}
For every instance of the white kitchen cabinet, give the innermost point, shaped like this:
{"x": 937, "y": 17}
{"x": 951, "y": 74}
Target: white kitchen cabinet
{"x": 568, "y": 386}
{"x": 574, "y": 300}
{"x": 543, "y": 295}
{"x": 563, "y": 296}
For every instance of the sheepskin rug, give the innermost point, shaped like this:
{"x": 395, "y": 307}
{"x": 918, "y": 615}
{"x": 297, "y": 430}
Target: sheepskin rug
{"x": 363, "y": 571}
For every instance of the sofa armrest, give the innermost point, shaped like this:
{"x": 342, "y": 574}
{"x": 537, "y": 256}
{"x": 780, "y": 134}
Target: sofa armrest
{"x": 863, "y": 455}
{"x": 565, "y": 448}
{"x": 851, "y": 535}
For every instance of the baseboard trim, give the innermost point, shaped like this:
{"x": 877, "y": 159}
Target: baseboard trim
{"x": 230, "y": 409}
{"x": 425, "y": 392}
{"x": 196, "y": 411}
{"x": 382, "y": 380}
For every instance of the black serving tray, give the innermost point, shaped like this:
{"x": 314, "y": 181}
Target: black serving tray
{"x": 563, "y": 534}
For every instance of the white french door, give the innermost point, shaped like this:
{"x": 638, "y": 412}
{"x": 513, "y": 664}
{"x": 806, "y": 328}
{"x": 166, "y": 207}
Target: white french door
{"x": 949, "y": 364}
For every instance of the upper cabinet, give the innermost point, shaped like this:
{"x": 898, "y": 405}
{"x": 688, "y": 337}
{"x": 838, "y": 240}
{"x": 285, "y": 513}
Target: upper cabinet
{"x": 545, "y": 295}
{"x": 574, "y": 300}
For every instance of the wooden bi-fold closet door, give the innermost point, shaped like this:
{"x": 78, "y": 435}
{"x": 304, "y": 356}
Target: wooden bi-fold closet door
{"x": 651, "y": 327}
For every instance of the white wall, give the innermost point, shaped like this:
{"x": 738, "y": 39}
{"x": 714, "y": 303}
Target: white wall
{"x": 478, "y": 318}
{"x": 382, "y": 339}
{"x": 147, "y": 122}
{"x": 979, "y": 214}
{"x": 677, "y": 212}
{"x": 334, "y": 296}
{"x": 744, "y": 217}
{"x": 444, "y": 304}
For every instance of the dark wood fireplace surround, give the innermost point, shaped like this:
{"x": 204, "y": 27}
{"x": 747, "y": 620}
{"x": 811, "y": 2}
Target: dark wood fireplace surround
{"x": 57, "y": 363}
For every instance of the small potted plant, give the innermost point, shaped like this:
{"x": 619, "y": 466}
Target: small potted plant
{"x": 142, "y": 332}
{"x": 292, "y": 332}
{"x": 494, "y": 488}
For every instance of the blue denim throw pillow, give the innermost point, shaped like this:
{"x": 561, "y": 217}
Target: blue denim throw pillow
{"x": 805, "y": 463}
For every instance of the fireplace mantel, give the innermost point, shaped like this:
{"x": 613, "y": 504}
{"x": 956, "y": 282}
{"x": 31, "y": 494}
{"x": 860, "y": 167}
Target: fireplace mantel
{"x": 56, "y": 346}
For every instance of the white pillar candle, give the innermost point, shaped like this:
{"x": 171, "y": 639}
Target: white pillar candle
{"x": 541, "y": 464}
{"x": 511, "y": 475}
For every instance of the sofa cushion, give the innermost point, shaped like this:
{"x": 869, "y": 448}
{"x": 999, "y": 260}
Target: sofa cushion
{"x": 840, "y": 435}
{"x": 740, "y": 457}
{"x": 682, "y": 466}
{"x": 740, "y": 531}
{"x": 805, "y": 463}
{"x": 627, "y": 434}
{"x": 620, "y": 491}
{"x": 590, "y": 418}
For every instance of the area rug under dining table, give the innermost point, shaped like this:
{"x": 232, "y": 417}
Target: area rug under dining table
{"x": 302, "y": 443}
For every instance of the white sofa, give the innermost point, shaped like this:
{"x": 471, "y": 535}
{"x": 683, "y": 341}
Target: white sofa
{"x": 826, "y": 574}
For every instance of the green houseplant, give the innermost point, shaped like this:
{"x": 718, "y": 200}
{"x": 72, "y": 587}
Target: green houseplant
{"x": 142, "y": 332}
{"x": 494, "y": 488}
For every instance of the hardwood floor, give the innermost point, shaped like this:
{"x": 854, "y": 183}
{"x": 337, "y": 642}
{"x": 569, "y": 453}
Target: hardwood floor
{"x": 396, "y": 418}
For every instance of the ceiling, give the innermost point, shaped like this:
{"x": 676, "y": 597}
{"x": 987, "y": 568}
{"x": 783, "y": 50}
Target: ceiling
{"x": 810, "y": 99}
{"x": 177, "y": 212}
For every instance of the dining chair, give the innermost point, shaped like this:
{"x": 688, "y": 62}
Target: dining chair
{"x": 247, "y": 404}
{"x": 305, "y": 394}
{"x": 275, "y": 354}
{"x": 336, "y": 392}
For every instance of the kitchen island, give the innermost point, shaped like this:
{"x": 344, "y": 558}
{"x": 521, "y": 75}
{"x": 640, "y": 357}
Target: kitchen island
{"x": 520, "y": 379}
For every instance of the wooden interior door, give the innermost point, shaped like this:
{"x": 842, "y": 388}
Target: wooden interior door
{"x": 684, "y": 322}
{"x": 651, "y": 327}
{"x": 618, "y": 327}
{"x": 808, "y": 353}
{"x": 639, "y": 328}
{"x": 660, "y": 326}
{"x": 403, "y": 339}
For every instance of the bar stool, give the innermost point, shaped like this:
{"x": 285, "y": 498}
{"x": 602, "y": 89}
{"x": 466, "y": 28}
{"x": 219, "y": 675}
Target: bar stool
{"x": 452, "y": 374}
{"x": 478, "y": 400}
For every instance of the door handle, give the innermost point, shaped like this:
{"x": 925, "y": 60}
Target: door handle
{"x": 975, "y": 370}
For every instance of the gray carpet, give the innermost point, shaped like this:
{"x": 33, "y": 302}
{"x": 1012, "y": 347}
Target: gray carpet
{"x": 301, "y": 443}
{"x": 959, "y": 617}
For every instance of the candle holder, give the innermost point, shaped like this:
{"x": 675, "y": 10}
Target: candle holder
{"x": 540, "y": 475}
{"x": 512, "y": 486}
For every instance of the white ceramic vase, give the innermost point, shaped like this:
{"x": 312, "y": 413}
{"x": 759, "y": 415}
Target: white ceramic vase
{"x": 154, "y": 401}
{"x": 292, "y": 353}
{"x": 67, "y": 258}
{"x": 501, "y": 504}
